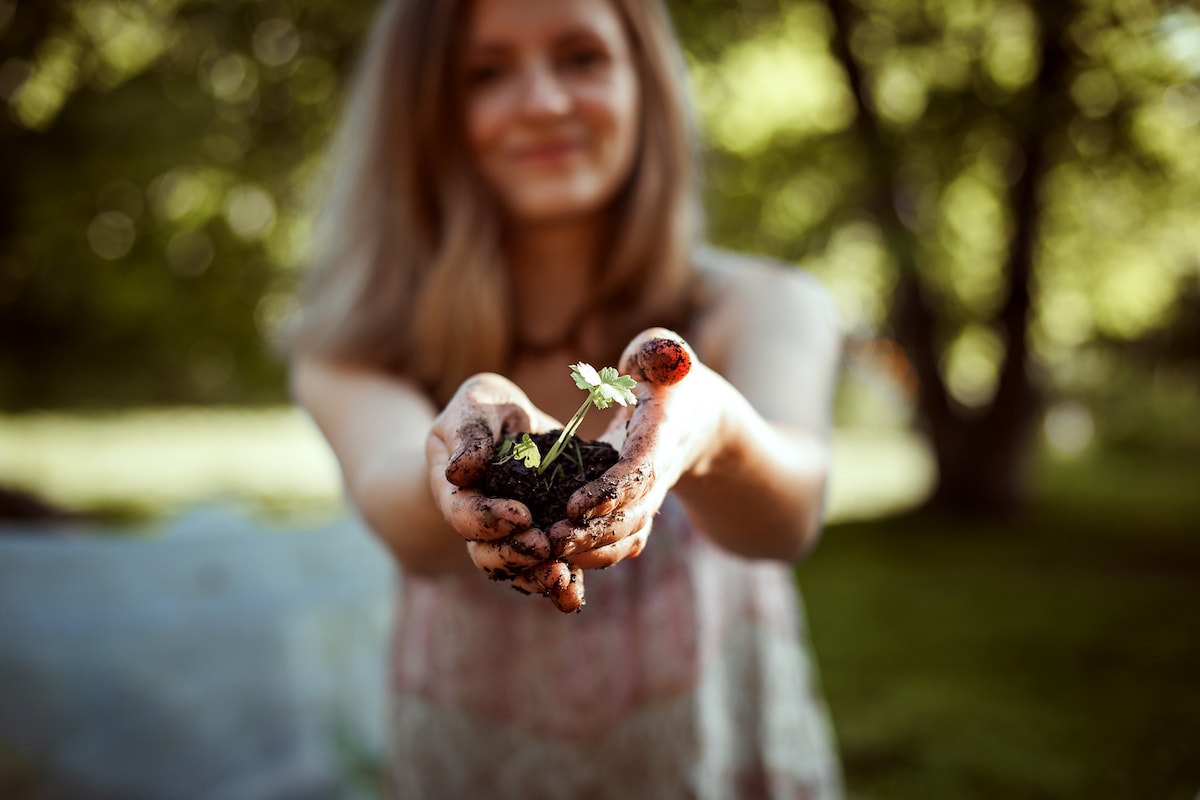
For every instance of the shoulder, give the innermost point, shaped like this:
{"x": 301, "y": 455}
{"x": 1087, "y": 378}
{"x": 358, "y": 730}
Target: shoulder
{"x": 770, "y": 328}
{"x": 730, "y": 276}
{"x": 751, "y": 294}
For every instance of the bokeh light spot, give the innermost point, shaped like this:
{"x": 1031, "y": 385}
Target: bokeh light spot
{"x": 249, "y": 211}
{"x": 183, "y": 194}
{"x": 111, "y": 235}
{"x": 190, "y": 253}
{"x": 1095, "y": 92}
{"x": 233, "y": 78}
{"x": 901, "y": 94}
{"x": 972, "y": 363}
{"x": 1069, "y": 427}
{"x": 1182, "y": 102}
{"x": 276, "y": 42}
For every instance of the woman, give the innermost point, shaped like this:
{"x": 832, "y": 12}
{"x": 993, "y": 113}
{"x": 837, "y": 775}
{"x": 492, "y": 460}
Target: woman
{"x": 512, "y": 192}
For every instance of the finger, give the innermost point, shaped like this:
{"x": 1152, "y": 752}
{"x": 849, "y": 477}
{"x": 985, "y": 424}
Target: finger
{"x": 657, "y": 356}
{"x": 629, "y": 547}
{"x": 545, "y": 577}
{"x": 475, "y": 440}
{"x": 567, "y": 539}
{"x": 562, "y": 583}
{"x": 624, "y": 483}
{"x": 569, "y": 597}
{"x": 470, "y": 460}
{"x": 527, "y": 585}
{"x": 618, "y": 425}
{"x": 480, "y": 518}
{"x": 555, "y": 580}
{"x": 665, "y": 360}
{"x": 505, "y": 559}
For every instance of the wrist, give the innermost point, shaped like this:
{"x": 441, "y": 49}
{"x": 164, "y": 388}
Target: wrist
{"x": 720, "y": 436}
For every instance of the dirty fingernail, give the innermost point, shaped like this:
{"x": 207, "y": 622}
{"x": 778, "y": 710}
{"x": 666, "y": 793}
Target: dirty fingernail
{"x": 664, "y": 361}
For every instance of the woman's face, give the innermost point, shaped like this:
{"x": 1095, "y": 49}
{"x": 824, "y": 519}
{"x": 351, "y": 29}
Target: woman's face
{"x": 551, "y": 104}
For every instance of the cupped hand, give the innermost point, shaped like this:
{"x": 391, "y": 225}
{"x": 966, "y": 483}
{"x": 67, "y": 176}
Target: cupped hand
{"x": 609, "y": 519}
{"x": 659, "y": 439}
{"x": 498, "y": 532}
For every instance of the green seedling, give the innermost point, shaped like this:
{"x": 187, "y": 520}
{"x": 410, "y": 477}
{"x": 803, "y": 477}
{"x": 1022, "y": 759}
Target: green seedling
{"x": 604, "y": 388}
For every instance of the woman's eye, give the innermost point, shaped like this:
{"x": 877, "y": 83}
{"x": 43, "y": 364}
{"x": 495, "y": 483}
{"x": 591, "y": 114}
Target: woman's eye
{"x": 483, "y": 74}
{"x": 585, "y": 59}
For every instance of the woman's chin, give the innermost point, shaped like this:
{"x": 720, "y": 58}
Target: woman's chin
{"x": 555, "y": 204}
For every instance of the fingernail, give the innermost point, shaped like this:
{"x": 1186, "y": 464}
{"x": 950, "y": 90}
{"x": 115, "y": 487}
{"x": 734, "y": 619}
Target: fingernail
{"x": 599, "y": 510}
{"x": 664, "y": 361}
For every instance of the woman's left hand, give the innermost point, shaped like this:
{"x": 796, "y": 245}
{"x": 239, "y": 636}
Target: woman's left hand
{"x": 658, "y": 439}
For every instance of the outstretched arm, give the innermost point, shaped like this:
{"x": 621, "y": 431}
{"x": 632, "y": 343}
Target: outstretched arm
{"x": 393, "y": 448}
{"x": 376, "y": 426}
{"x": 778, "y": 343}
{"x": 745, "y": 448}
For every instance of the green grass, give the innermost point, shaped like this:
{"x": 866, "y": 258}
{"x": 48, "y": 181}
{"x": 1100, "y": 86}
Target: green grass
{"x": 1052, "y": 655}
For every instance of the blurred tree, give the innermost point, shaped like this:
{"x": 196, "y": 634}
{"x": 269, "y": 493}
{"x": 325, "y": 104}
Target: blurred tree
{"x": 156, "y": 156}
{"x": 1007, "y": 188}
{"x": 980, "y": 448}
{"x": 999, "y": 185}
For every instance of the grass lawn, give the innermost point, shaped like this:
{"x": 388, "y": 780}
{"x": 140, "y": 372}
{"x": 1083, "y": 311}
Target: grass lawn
{"x": 1054, "y": 655}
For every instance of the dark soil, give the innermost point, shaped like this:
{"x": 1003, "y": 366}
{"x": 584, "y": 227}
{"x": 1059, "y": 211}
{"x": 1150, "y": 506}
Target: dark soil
{"x": 546, "y": 495}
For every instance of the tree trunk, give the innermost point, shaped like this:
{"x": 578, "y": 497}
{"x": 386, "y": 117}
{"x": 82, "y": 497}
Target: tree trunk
{"x": 980, "y": 453}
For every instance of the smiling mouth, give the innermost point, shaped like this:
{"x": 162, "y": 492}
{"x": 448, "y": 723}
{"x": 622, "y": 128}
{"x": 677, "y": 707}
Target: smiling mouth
{"x": 546, "y": 152}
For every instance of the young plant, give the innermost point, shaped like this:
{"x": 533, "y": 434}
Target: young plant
{"x": 604, "y": 388}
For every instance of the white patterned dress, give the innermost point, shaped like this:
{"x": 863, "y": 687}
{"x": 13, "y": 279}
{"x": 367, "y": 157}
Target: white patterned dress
{"x": 685, "y": 676}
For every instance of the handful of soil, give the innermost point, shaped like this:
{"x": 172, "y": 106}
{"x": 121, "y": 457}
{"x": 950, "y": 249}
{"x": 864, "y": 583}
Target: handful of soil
{"x": 546, "y": 495}
{"x": 663, "y": 360}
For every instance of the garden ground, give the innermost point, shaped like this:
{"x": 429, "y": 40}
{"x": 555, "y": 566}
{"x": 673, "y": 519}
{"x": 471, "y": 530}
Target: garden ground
{"x": 1052, "y": 655}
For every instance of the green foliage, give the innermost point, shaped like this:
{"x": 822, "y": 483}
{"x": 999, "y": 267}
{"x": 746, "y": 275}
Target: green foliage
{"x": 151, "y": 216}
{"x": 604, "y": 387}
{"x": 1044, "y": 656}
{"x": 952, "y": 85}
{"x": 524, "y": 450}
{"x": 527, "y": 452}
{"x": 157, "y": 158}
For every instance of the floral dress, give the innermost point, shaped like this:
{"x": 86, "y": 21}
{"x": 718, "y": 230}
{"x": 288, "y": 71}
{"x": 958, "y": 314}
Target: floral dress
{"x": 685, "y": 676}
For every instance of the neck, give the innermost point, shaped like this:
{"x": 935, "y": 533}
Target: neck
{"x": 551, "y": 267}
{"x": 563, "y": 248}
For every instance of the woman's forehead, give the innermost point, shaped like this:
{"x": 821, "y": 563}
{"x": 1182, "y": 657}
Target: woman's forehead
{"x": 503, "y": 23}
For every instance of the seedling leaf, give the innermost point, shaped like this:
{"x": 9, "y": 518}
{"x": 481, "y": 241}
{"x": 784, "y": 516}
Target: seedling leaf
{"x": 527, "y": 451}
{"x": 604, "y": 388}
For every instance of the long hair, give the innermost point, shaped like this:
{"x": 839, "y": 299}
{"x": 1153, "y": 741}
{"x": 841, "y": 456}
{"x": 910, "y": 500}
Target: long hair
{"x": 406, "y": 268}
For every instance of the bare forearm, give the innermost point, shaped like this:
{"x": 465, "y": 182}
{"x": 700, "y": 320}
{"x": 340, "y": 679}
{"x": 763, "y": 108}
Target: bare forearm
{"x": 760, "y": 490}
{"x": 391, "y": 492}
{"x": 377, "y": 429}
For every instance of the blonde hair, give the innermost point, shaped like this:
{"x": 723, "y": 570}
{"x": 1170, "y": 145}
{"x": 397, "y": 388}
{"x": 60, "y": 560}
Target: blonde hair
{"x": 407, "y": 272}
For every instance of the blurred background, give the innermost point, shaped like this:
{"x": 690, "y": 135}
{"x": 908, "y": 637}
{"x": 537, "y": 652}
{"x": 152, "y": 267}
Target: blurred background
{"x": 1002, "y": 196}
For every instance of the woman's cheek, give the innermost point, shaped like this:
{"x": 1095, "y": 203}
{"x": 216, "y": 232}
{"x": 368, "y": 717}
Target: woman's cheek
{"x": 484, "y": 120}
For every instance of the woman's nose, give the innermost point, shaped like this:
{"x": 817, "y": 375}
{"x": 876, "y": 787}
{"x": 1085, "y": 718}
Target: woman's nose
{"x": 543, "y": 92}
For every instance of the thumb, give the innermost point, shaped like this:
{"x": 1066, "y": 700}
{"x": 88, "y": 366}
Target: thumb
{"x": 658, "y": 356}
{"x": 469, "y": 461}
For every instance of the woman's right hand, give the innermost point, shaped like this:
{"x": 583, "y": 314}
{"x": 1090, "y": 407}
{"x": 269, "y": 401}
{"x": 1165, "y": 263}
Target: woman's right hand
{"x": 500, "y": 538}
